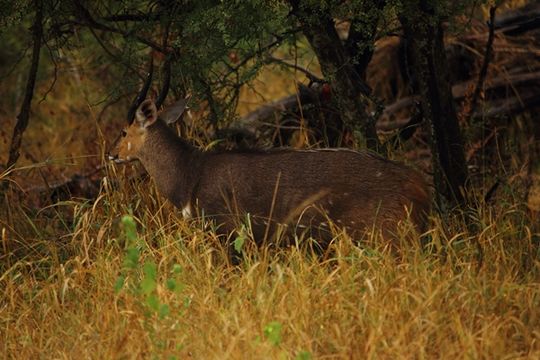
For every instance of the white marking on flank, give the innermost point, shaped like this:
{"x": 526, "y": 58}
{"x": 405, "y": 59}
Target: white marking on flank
{"x": 186, "y": 212}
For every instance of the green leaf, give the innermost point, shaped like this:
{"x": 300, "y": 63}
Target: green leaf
{"x": 130, "y": 228}
{"x": 148, "y": 285}
{"x": 171, "y": 284}
{"x": 239, "y": 243}
{"x": 176, "y": 269}
{"x": 272, "y": 332}
{"x": 257, "y": 340}
{"x": 164, "y": 311}
{"x": 150, "y": 269}
{"x": 119, "y": 284}
{"x": 303, "y": 355}
{"x": 132, "y": 258}
{"x": 153, "y": 302}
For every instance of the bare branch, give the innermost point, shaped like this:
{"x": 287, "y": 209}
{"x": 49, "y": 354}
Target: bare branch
{"x": 406, "y": 131}
{"x": 256, "y": 53}
{"x": 364, "y": 34}
{"x": 15, "y": 63}
{"x": 55, "y": 74}
{"x": 130, "y": 17}
{"x": 520, "y": 20}
{"x": 120, "y": 59}
{"x": 24, "y": 115}
{"x": 487, "y": 58}
{"x": 311, "y": 76}
{"x": 88, "y": 20}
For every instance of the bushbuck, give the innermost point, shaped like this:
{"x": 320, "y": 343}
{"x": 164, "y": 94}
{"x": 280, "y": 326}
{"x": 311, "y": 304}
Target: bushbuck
{"x": 296, "y": 190}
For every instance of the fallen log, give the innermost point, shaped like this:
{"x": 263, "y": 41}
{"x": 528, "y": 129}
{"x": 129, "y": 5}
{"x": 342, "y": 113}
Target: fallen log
{"x": 254, "y": 121}
{"x": 250, "y": 123}
{"x": 516, "y": 22}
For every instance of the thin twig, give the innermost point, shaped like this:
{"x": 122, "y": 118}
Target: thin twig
{"x": 15, "y": 64}
{"x": 254, "y": 54}
{"x": 130, "y": 17}
{"x": 55, "y": 74}
{"x": 109, "y": 104}
{"x": 406, "y": 131}
{"x": 311, "y": 76}
{"x": 118, "y": 58}
{"x": 89, "y": 21}
{"x": 487, "y": 58}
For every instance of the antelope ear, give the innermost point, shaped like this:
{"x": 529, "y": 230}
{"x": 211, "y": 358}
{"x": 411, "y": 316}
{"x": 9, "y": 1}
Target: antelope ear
{"x": 146, "y": 114}
{"x": 173, "y": 112}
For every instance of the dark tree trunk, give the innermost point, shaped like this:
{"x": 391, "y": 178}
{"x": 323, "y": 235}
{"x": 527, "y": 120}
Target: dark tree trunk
{"x": 346, "y": 83}
{"x": 361, "y": 39}
{"x": 427, "y": 59}
{"x": 24, "y": 115}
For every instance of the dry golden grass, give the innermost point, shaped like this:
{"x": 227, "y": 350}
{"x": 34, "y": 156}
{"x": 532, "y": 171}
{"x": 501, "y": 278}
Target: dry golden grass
{"x": 59, "y": 300}
{"x": 59, "y": 271}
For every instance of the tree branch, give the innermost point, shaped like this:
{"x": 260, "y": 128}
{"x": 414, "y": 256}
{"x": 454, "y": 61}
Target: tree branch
{"x": 130, "y": 17}
{"x": 311, "y": 76}
{"x": 88, "y": 20}
{"x": 118, "y": 58}
{"x": 348, "y": 88}
{"x": 362, "y": 33}
{"x": 406, "y": 131}
{"x": 256, "y": 53}
{"x": 487, "y": 59}
{"x": 24, "y": 115}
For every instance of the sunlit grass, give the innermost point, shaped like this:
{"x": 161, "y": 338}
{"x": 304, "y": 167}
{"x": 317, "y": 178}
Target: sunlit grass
{"x": 61, "y": 295}
{"x": 71, "y": 286}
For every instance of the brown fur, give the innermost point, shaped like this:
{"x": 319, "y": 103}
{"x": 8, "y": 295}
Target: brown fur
{"x": 302, "y": 189}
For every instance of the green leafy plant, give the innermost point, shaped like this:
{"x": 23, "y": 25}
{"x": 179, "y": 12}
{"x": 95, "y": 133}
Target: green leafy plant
{"x": 147, "y": 286}
{"x": 303, "y": 355}
{"x": 272, "y": 332}
{"x": 240, "y": 240}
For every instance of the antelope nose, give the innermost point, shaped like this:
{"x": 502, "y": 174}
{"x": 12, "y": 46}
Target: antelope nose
{"x": 111, "y": 157}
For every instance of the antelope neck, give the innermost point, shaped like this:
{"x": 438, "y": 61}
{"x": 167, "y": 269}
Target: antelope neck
{"x": 171, "y": 162}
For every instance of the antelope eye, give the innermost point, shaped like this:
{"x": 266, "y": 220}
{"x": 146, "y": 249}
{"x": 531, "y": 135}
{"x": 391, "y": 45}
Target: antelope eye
{"x": 123, "y": 133}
